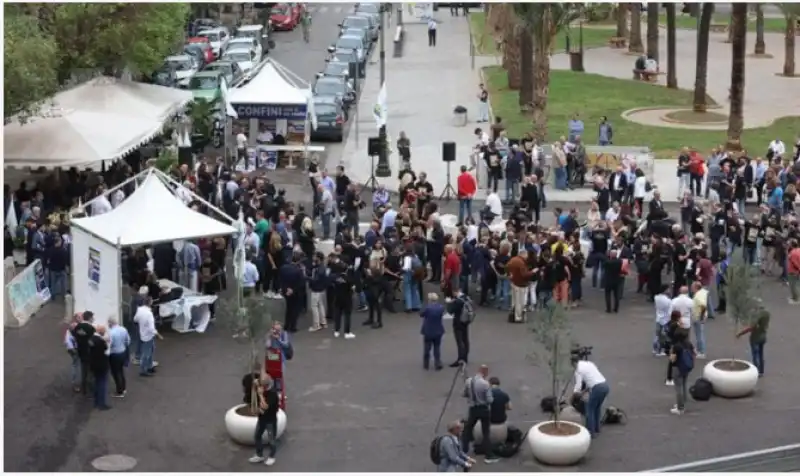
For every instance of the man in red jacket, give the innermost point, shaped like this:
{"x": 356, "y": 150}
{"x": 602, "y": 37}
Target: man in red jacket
{"x": 467, "y": 186}
{"x": 452, "y": 271}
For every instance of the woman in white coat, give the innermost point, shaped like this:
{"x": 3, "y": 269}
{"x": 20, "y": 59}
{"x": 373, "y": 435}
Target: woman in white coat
{"x": 639, "y": 192}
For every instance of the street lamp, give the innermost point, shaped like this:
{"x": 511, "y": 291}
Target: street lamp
{"x": 383, "y": 169}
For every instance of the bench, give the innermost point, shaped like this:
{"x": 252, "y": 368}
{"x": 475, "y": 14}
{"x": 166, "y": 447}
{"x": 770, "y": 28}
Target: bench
{"x": 641, "y": 75}
{"x": 618, "y": 42}
{"x": 399, "y": 36}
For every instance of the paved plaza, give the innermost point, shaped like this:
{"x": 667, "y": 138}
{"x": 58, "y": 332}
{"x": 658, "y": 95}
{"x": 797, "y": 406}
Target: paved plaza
{"x": 367, "y": 405}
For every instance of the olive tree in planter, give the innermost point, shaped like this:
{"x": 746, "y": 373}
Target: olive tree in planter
{"x": 556, "y": 442}
{"x": 732, "y": 377}
{"x": 251, "y": 320}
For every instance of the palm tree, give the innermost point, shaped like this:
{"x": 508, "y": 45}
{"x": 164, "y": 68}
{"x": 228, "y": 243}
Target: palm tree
{"x": 791, "y": 11}
{"x": 545, "y": 21}
{"x": 701, "y": 68}
{"x": 761, "y": 47}
{"x": 672, "y": 75}
{"x": 511, "y": 56}
{"x": 738, "y": 51}
{"x": 622, "y": 20}
{"x": 652, "y": 32}
{"x": 526, "y": 67}
{"x": 635, "y": 42}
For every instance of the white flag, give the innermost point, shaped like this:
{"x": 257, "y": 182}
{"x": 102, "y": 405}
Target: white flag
{"x": 312, "y": 113}
{"x": 11, "y": 218}
{"x": 380, "y": 110}
{"x": 229, "y": 110}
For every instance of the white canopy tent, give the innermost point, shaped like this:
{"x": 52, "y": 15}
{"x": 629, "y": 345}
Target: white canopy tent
{"x": 274, "y": 84}
{"x": 102, "y": 119}
{"x": 152, "y": 214}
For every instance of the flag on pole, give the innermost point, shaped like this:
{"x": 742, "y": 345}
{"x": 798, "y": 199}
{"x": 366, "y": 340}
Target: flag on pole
{"x": 380, "y": 110}
{"x": 11, "y": 218}
{"x": 229, "y": 110}
{"x": 312, "y": 113}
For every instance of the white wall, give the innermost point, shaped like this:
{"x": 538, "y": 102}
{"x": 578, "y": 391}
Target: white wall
{"x": 103, "y": 297}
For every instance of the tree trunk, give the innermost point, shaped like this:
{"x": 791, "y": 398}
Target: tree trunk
{"x": 511, "y": 58}
{"x": 635, "y": 42}
{"x": 791, "y": 35}
{"x": 701, "y": 68}
{"x": 730, "y": 29}
{"x": 526, "y": 69}
{"x": 541, "y": 85}
{"x": 622, "y": 20}
{"x": 761, "y": 47}
{"x": 672, "y": 76}
{"x": 652, "y": 33}
{"x": 738, "y": 51}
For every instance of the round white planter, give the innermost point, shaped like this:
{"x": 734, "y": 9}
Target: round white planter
{"x": 730, "y": 384}
{"x": 559, "y": 450}
{"x": 497, "y": 433}
{"x": 242, "y": 429}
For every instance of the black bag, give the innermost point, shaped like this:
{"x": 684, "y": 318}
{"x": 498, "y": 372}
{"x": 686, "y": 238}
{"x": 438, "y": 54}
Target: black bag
{"x": 614, "y": 416}
{"x": 548, "y": 404}
{"x": 510, "y": 447}
{"x": 288, "y": 351}
{"x": 436, "y": 450}
{"x": 701, "y": 390}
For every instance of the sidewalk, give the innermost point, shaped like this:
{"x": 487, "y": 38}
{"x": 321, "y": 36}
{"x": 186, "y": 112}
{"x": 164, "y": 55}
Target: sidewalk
{"x": 422, "y": 88}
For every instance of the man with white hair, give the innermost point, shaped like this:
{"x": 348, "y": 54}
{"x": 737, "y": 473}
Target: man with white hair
{"x": 119, "y": 342}
{"x": 101, "y": 204}
{"x": 117, "y": 197}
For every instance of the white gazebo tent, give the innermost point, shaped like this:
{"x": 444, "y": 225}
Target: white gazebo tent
{"x": 152, "y": 214}
{"x": 275, "y": 84}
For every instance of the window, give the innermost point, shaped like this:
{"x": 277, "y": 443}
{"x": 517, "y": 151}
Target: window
{"x": 328, "y": 88}
{"x": 349, "y": 43}
{"x": 204, "y": 82}
{"x": 212, "y": 36}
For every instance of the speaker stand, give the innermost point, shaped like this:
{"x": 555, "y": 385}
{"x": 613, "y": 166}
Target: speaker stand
{"x": 449, "y": 192}
{"x": 371, "y": 182}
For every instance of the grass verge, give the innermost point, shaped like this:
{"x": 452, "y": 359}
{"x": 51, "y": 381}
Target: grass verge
{"x": 685, "y": 22}
{"x": 485, "y": 46}
{"x": 593, "y": 96}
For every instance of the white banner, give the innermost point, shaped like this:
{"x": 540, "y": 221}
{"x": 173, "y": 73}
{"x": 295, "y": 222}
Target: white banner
{"x": 229, "y": 110}
{"x": 26, "y": 294}
{"x": 380, "y": 110}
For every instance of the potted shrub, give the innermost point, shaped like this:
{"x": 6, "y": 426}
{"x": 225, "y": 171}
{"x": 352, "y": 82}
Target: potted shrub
{"x": 20, "y": 239}
{"x": 251, "y": 319}
{"x": 555, "y": 441}
{"x": 732, "y": 377}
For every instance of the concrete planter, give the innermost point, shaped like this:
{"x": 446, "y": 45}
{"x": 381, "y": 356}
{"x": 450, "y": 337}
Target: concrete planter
{"x": 731, "y": 383}
{"x": 242, "y": 429}
{"x": 559, "y": 450}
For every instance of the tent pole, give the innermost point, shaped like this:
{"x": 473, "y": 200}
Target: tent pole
{"x": 114, "y": 189}
{"x": 120, "y": 310}
{"x": 197, "y": 197}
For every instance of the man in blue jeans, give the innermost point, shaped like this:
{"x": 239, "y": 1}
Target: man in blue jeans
{"x": 268, "y": 404}
{"x": 586, "y": 373}
{"x": 147, "y": 335}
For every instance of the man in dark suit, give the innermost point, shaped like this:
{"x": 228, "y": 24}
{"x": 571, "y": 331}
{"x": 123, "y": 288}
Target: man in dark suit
{"x": 533, "y": 196}
{"x": 656, "y": 208}
{"x": 618, "y": 184}
{"x": 612, "y": 280}
{"x": 603, "y": 197}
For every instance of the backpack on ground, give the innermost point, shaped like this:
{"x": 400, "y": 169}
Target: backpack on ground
{"x": 436, "y": 450}
{"x": 614, "y": 416}
{"x": 701, "y": 390}
{"x": 468, "y": 311}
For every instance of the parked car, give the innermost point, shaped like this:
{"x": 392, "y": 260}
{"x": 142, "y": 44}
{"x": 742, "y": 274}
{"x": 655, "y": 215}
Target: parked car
{"x": 165, "y": 76}
{"x": 361, "y": 33}
{"x": 218, "y": 37}
{"x": 374, "y": 24}
{"x": 201, "y": 24}
{"x": 355, "y": 21}
{"x": 205, "y": 85}
{"x": 351, "y": 43}
{"x": 335, "y": 86}
{"x": 185, "y": 66}
{"x": 247, "y": 43}
{"x": 197, "y": 52}
{"x": 204, "y": 43}
{"x": 245, "y": 58}
{"x": 338, "y": 69}
{"x": 286, "y": 16}
{"x": 368, "y": 8}
{"x": 331, "y": 117}
{"x": 230, "y": 70}
{"x": 351, "y": 57}
{"x": 257, "y": 32}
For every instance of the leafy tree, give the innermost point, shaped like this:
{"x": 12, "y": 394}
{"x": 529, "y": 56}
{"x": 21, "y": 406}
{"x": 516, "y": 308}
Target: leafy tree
{"x": 29, "y": 61}
{"x": 741, "y": 291}
{"x": 791, "y": 11}
{"x": 551, "y": 329}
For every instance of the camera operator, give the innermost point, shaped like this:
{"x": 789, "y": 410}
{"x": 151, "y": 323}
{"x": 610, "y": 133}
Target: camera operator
{"x": 586, "y": 373}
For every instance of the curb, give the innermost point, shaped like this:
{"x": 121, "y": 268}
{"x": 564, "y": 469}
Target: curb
{"x": 675, "y": 121}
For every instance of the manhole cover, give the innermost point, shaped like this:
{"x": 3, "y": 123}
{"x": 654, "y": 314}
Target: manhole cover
{"x": 114, "y": 463}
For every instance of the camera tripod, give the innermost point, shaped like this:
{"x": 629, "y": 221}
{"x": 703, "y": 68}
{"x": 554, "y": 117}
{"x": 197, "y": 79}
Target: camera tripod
{"x": 449, "y": 192}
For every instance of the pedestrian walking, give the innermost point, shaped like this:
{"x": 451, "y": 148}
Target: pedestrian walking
{"x": 431, "y": 32}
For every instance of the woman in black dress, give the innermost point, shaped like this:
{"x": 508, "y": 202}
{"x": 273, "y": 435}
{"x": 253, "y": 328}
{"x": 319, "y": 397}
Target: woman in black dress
{"x": 210, "y": 274}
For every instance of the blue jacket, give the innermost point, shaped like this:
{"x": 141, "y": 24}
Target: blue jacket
{"x": 318, "y": 279}
{"x": 432, "y": 321}
{"x": 514, "y": 167}
{"x": 292, "y": 277}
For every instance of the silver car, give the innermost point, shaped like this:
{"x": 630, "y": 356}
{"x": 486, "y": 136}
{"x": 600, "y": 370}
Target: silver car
{"x": 352, "y": 43}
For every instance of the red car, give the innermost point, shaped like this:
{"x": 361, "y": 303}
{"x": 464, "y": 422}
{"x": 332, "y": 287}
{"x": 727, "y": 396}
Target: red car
{"x": 204, "y": 43}
{"x": 286, "y": 16}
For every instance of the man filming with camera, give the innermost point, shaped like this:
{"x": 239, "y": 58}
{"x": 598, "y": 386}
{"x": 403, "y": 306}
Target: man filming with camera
{"x": 589, "y": 381}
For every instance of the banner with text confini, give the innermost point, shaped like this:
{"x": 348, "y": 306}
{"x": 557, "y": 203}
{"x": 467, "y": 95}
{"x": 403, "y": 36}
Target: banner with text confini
{"x": 26, "y": 294}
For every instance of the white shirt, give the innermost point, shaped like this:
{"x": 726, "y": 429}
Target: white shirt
{"x": 431, "y": 24}
{"x": 495, "y": 204}
{"x": 663, "y": 308}
{"x": 640, "y": 187}
{"x": 483, "y": 140}
{"x": 651, "y": 66}
{"x": 612, "y": 215}
{"x": 683, "y": 304}
{"x": 407, "y": 261}
{"x": 777, "y": 147}
{"x": 264, "y": 137}
{"x": 184, "y": 194}
{"x": 100, "y": 206}
{"x": 147, "y": 323}
{"x": 241, "y": 140}
{"x": 586, "y": 371}
{"x": 117, "y": 197}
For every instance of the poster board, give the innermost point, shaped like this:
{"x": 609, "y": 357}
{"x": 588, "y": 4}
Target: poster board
{"x": 26, "y": 293}
{"x": 95, "y": 276}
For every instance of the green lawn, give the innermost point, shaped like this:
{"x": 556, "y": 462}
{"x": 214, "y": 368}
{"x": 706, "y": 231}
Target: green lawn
{"x": 593, "y": 96}
{"x": 685, "y": 22}
{"x": 485, "y": 46}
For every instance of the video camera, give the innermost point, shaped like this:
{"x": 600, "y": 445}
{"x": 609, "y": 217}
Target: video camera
{"x": 581, "y": 353}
